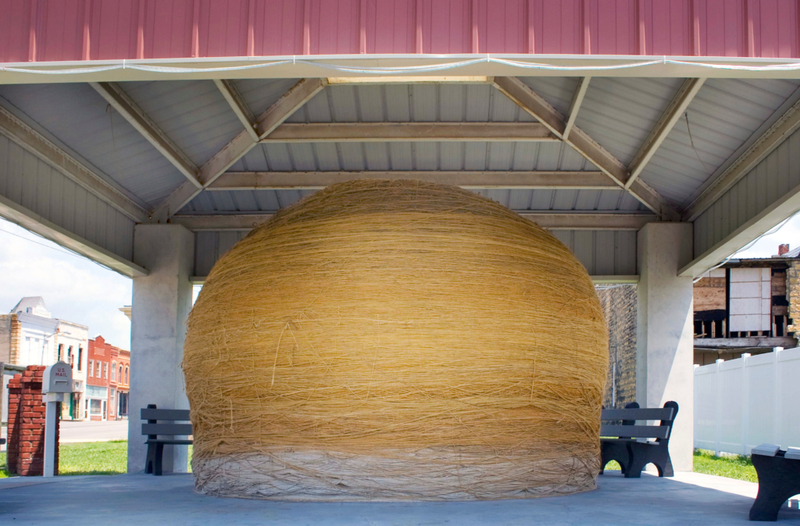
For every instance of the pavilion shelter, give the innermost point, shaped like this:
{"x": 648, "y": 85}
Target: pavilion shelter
{"x": 654, "y": 138}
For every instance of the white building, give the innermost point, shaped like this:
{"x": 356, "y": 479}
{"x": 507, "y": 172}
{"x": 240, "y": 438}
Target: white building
{"x": 29, "y": 335}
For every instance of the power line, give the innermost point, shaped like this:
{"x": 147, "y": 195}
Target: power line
{"x": 41, "y": 244}
{"x": 67, "y": 252}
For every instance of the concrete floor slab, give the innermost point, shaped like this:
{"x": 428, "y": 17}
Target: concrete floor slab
{"x": 687, "y": 500}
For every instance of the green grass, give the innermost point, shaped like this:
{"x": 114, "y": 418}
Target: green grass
{"x": 732, "y": 467}
{"x": 93, "y": 458}
{"x": 90, "y": 458}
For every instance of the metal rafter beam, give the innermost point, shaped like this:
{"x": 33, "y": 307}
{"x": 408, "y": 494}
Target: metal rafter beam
{"x": 669, "y": 118}
{"x": 537, "y": 107}
{"x": 470, "y": 180}
{"x": 410, "y": 132}
{"x": 283, "y": 108}
{"x": 575, "y": 105}
{"x": 546, "y": 219}
{"x": 239, "y": 106}
{"x": 772, "y": 137}
{"x": 136, "y": 117}
{"x": 34, "y": 142}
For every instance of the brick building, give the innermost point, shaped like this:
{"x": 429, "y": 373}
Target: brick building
{"x": 29, "y": 335}
{"x": 108, "y": 381}
{"x": 747, "y": 305}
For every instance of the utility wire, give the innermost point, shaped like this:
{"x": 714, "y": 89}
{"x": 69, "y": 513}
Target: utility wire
{"x": 67, "y": 251}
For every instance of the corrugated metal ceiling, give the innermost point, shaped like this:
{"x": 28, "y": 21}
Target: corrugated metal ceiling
{"x": 79, "y": 117}
{"x": 618, "y": 113}
{"x": 191, "y": 113}
{"x": 556, "y": 200}
{"x": 412, "y": 156}
{"x": 411, "y": 103}
{"x": 722, "y": 116}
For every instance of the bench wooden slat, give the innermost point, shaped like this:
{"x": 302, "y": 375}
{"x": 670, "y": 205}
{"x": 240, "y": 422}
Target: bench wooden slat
{"x": 655, "y": 413}
{"x": 634, "y": 431}
{"x": 165, "y": 414}
{"x": 169, "y": 441}
{"x": 166, "y": 429}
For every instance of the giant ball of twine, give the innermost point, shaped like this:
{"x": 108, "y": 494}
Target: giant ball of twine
{"x": 388, "y": 340}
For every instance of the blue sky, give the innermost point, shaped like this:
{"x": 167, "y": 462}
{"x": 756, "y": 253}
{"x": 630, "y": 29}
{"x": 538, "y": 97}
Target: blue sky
{"x": 84, "y": 292}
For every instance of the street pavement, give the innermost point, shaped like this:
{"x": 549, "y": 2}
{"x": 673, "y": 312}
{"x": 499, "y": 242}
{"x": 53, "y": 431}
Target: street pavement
{"x": 93, "y": 431}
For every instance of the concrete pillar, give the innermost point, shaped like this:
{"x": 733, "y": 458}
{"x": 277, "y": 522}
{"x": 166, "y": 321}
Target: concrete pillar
{"x": 665, "y": 330}
{"x": 161, "y": 304}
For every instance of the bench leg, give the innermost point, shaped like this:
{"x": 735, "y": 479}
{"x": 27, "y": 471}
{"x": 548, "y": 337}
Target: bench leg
{"x": 643, "y": 454}
{"x": 768, "y": 503}
{"x": 637, "y": 463}
{"x": 159, "y": 459}
{"x": 778, "y": 480}
{"x": 150, "y": 460}
{"x": 664, "y": 467}
{"x": 614, "y": 451}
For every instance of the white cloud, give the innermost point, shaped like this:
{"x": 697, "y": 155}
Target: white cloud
{"x": 73, "y": 287}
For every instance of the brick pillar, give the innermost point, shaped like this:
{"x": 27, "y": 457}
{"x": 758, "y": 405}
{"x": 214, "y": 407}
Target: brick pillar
{"x": 26, "y": 419}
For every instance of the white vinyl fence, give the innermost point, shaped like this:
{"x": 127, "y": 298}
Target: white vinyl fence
{"x": 752, "y": 400}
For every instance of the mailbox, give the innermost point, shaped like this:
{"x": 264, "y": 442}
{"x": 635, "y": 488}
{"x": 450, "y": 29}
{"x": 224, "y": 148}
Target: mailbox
{"x": 57, "y": 378}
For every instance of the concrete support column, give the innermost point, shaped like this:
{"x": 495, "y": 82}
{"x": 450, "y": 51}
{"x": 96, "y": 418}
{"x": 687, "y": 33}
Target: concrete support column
{"x": 161, "y": 304}
{"x": 665, "y": 331}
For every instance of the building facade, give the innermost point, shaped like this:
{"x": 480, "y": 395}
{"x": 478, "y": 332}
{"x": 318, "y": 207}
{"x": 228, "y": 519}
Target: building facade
{"x": 29, "y": 335}
{"x": 108, "y": 381}
{"x": 744, "y": 307}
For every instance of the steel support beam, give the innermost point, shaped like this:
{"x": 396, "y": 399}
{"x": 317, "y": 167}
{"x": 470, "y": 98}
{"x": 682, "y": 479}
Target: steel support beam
{"x": 545, "y": 219}
{"x": 239, "y": 106}
{"x": 141, "y": 122}
{"x": 575, "y": 105}
{"x": 470, "y": 180}
{"x": 273, "y": 117}
{"x": 538, "y": 108}
{"x": 411, "y": 132}
{"x": 34, "y": 142}
{"x": 669, "y": 118}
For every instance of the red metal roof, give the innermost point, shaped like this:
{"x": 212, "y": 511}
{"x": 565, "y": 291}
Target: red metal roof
{"x": 68, "y": 30}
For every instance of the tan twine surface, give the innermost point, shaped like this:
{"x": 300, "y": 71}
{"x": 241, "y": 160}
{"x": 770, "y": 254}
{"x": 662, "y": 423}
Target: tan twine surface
{"x": 388, "y": 340}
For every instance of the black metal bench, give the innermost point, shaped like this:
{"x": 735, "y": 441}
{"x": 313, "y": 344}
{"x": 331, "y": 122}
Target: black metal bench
{"x": 778, "y": 480}
{"x": 151, "y": 416}
{"x": 632, "y": 446}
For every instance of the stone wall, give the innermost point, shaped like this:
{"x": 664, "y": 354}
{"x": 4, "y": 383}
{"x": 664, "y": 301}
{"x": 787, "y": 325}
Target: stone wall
{"x": 10, "y": 330}
{"x": 793, "y": 294}
{"x": 620, "y": 305}
{"x": 26, "y": 419}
